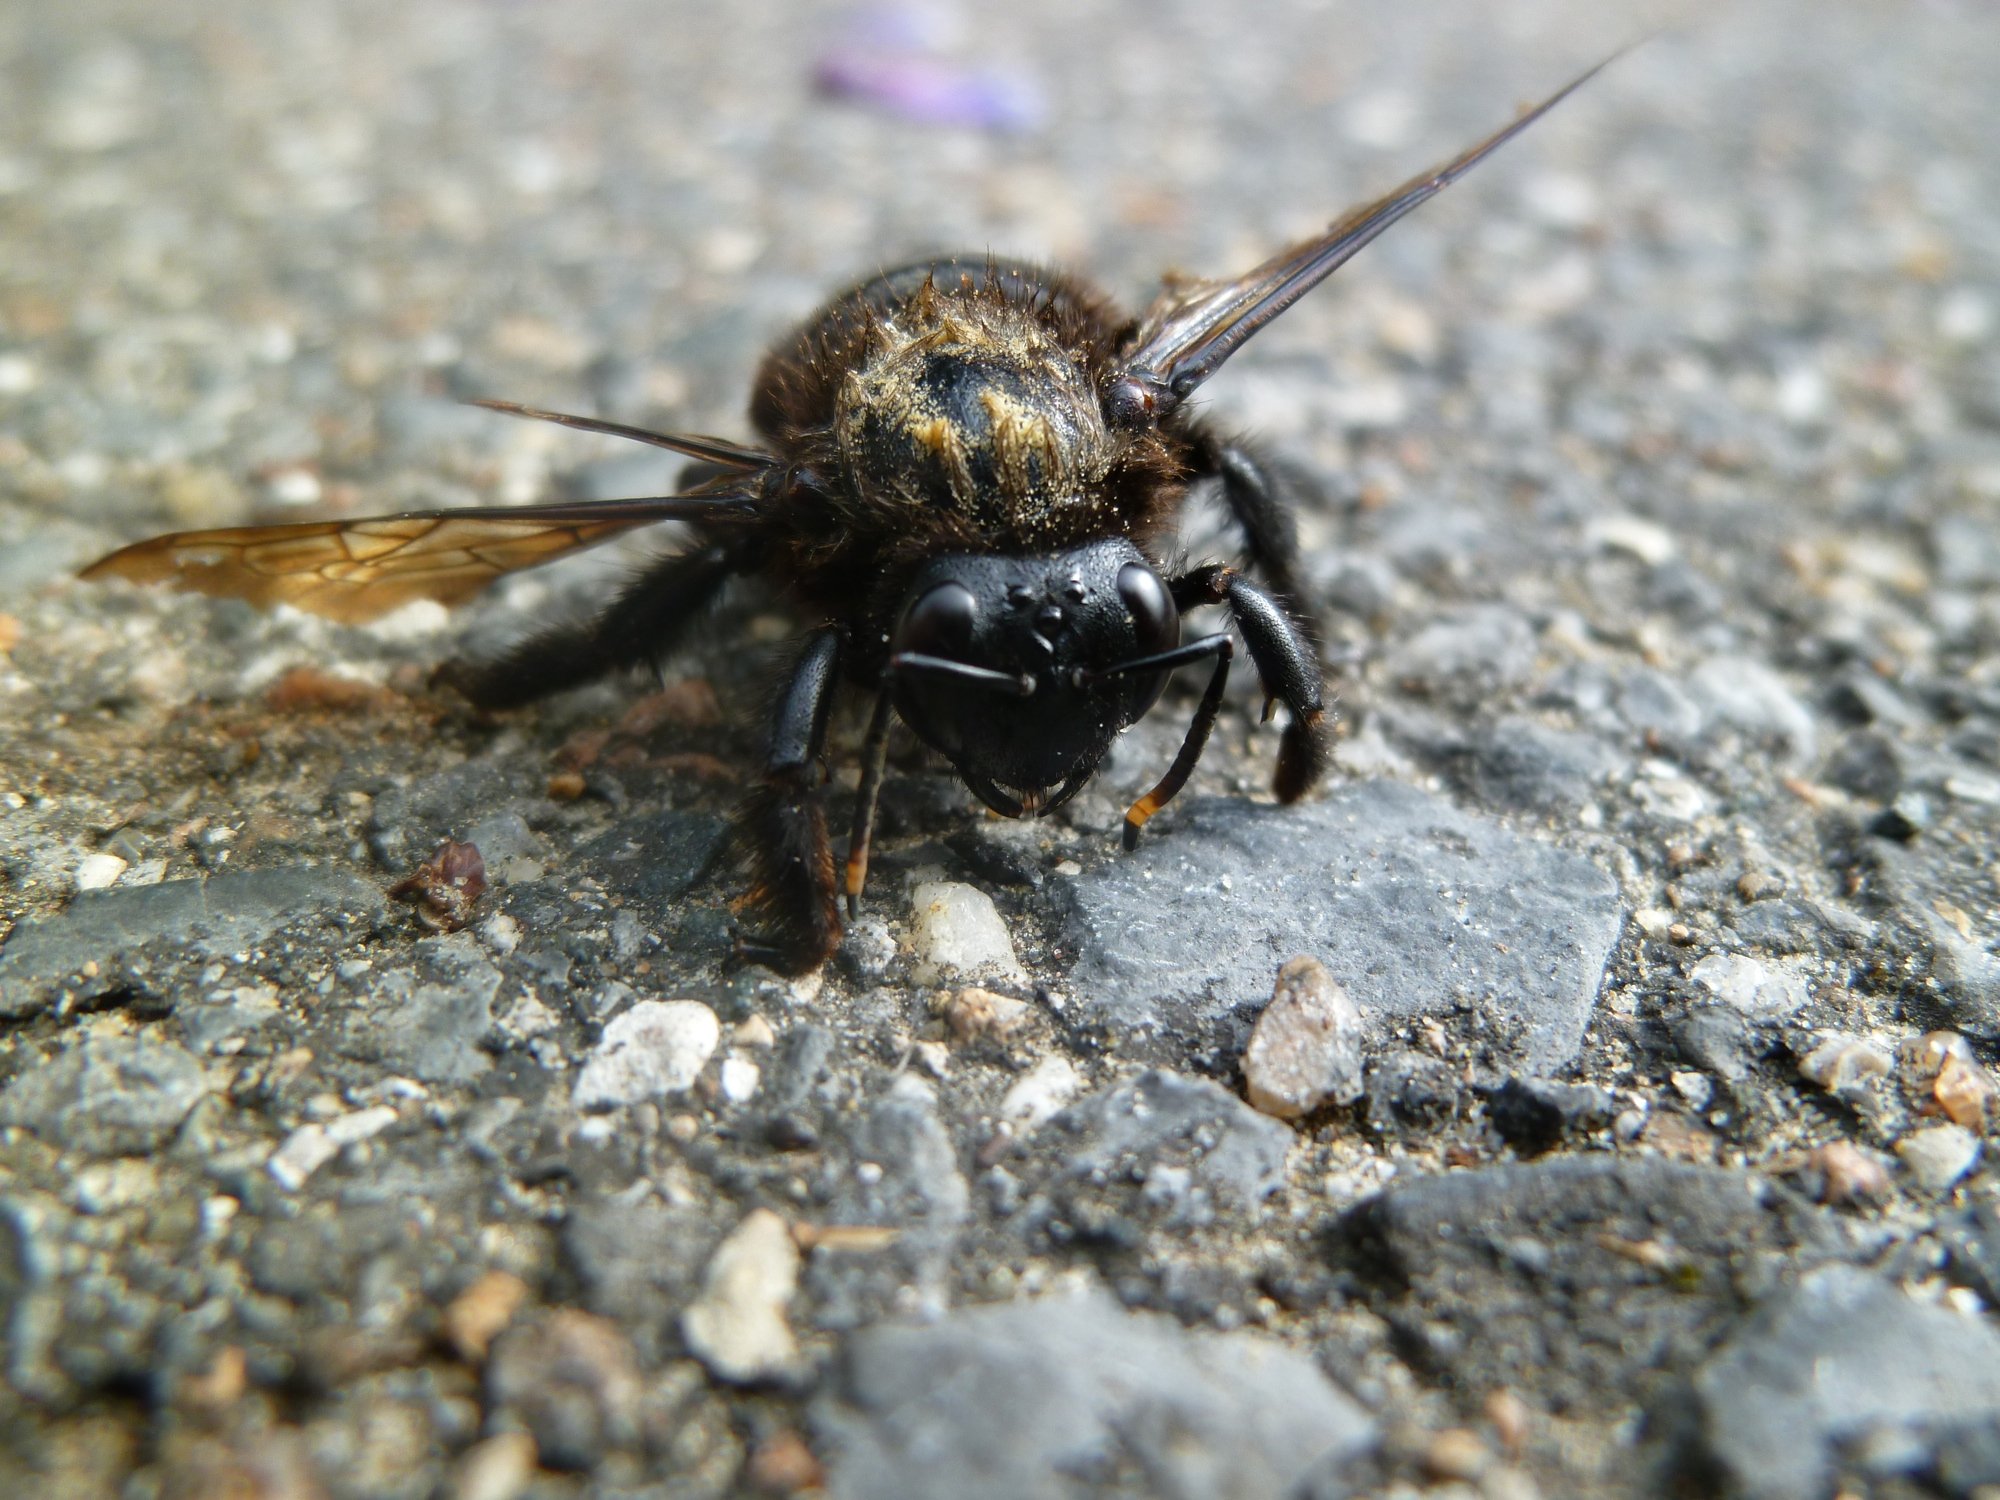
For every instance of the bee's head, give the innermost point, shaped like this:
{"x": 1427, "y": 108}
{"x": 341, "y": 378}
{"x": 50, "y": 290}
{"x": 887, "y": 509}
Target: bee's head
{"x": 1021, "y": 670}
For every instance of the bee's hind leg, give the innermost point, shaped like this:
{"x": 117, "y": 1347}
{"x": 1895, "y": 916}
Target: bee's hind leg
{"x": 639, "y": 628}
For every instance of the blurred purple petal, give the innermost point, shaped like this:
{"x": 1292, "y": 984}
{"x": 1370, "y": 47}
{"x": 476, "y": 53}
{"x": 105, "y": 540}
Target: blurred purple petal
{"x": 927, "y": 88}
{"x": 897, "y": 59}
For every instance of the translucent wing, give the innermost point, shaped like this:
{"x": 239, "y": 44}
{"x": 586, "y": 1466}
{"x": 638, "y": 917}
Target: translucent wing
{"x": 718, "y": 451}
{"x": 353, "y": 571}
{"x": 1187, "y": 335}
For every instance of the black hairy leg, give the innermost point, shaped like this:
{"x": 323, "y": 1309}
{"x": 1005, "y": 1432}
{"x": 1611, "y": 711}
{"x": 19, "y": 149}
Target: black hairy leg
{"x": 1287, "y": 663}
{"x": 792, "y": 915}
{"x": 640, "y": 627}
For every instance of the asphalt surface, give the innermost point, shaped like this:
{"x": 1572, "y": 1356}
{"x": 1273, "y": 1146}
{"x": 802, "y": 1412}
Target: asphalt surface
{"x": 1650, "y": 485}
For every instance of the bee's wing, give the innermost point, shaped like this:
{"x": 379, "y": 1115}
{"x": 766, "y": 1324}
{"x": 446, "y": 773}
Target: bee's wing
{"x": 718, "y": 451}
{"x": 1189, "y": 332}
{"x": 354, "y": 571}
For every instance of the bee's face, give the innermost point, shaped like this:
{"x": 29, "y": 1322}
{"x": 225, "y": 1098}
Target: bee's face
{"x": 1011, "y": 666}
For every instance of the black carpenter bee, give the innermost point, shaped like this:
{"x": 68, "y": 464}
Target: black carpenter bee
{"x": 969, "y": 474}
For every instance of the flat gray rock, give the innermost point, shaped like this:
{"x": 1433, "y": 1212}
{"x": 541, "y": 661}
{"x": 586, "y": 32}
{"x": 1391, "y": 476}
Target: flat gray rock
{"x": 1583, "y": 1278}
{"x": 1070, "y": 1396}
{"x": 1647, "y": 483}
{"x": 1411, "y": 903}
{"x": 117, "y": 1097}
{"x": 1164, "y": 1148}
{"x": 1843, "y": 1360}
{"x": 427, "y": 1019}
{"x": 219, "y": 912}
{"x": 901, "y": 1170}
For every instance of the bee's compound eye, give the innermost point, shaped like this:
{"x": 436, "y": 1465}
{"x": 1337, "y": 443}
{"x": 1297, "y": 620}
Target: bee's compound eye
{"x": 940, "y": 622}
{"x": 1156, "y": 624}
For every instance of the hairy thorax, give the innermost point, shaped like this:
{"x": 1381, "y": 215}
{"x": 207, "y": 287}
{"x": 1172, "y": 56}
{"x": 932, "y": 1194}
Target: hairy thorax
{"x": 971, "y": 410}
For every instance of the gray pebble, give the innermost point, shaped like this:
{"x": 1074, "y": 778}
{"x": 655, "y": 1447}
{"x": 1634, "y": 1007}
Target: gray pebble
{"x": 570, "y": 1380}
{"x": 895, "y": 1166}
{"x": 1750, "y": 698}
{"x": 1593, "y": 1255}
{"x": 1967, "y": 549}
{"x": 1967, "y": 976}
{"x": 1939, "y": 1155}
{"x": 1024, "y": 1401}
{"x": 1756, "y": 989}
{"x": 1535, "y": 1114}
{"x": 1161, "y": 1147}
{"x": 428, "y": 1019}
{"x": 1476, "y": 651}
{"x": 1841, "y": 1356}
{"x": 113, "y": 1097}
{"x": 1517, "y": 762}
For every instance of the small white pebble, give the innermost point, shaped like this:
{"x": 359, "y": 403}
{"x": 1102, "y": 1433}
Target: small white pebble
{"x": 737, "y": 1327}
{"x": 657, "y": 1047}
{"x": 1939, "y": 1156}
{"x": 1966, "y": 316}
{"x": 1305, "y": 1050}
{"x": 1803, "y": 394}
{"x": 1697, "y": 1088}
{"x": 1973, "y": 786}
{"x": 1568, "y": 200}
{"x": 1646, "y": 540}
{"x": 1751, "y": 986}
{"x": 501, "y": 933}
{"x": 1038, "y": 1093}
{"x": 500, "y": 1467}
{"x": 217, "y": 1213}
{"x": 294, "y": 487}
{"x": 304, "y": 1152}
{"x": 738, "y": 1078}
{"x": 957, "y": 929}
{"x": 1841, "y": 1062}
{"x": 363, "y": 1124}
{"x": 96, "y": 871}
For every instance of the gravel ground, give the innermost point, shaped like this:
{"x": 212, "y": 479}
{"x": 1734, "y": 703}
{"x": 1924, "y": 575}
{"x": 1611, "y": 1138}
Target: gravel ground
{"x": 1622, "y": 1134}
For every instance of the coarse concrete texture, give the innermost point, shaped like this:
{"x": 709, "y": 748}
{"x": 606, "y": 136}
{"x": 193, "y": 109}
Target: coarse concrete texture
{"x": 1649, "y": 487}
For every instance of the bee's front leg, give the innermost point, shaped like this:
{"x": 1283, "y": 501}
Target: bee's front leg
{"x": 793, "y": 915}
